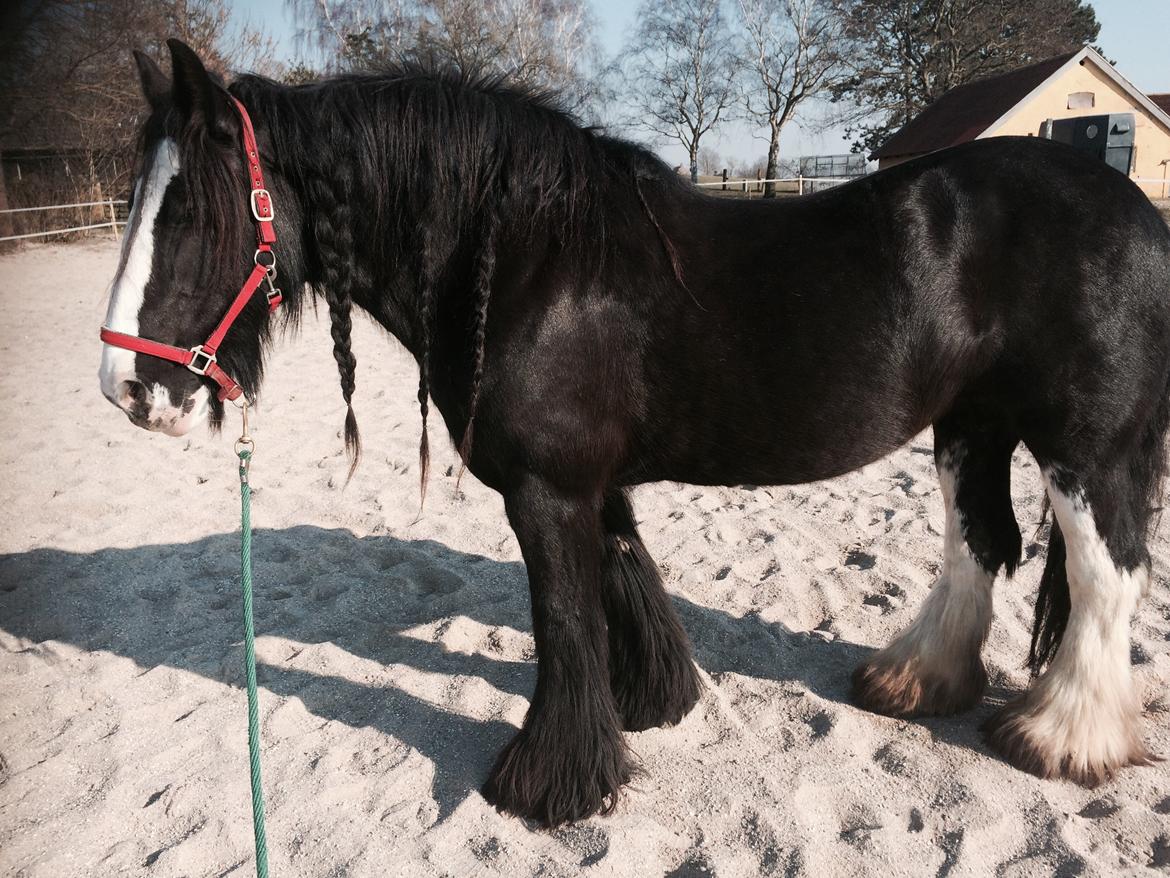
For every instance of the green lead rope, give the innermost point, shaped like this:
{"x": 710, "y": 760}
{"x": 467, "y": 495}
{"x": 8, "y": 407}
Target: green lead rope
{"x": 250, "y": 665}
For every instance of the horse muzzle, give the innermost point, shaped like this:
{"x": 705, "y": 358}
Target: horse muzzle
{"x": 151, "y": 408}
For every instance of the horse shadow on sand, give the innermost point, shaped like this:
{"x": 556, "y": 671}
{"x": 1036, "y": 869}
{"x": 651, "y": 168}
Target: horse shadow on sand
{"x": 178, "y": 605}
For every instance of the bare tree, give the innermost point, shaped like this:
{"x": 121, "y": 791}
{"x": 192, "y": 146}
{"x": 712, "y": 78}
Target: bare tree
{"x": 682, "y": 69}
{"x": 710, "y": 162}
{"x": 540, "y": 43}
{"x": 792, "y": 58}
{"x": 747, "y": 169}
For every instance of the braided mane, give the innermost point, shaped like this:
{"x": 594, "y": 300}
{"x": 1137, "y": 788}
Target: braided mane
{"x": 408, "y": 173}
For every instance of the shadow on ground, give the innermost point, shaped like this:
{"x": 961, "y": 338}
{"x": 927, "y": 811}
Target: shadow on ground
{"x": 177, "y": 605}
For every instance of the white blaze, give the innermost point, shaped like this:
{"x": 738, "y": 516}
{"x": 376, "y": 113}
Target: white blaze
{"x": 129, "y": 286}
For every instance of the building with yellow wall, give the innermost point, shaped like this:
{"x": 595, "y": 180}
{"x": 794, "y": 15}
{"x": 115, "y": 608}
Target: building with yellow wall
{"x": 1025, "y": 102}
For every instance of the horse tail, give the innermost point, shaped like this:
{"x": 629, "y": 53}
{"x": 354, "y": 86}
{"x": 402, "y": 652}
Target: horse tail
{"x": 1053, "y": 603}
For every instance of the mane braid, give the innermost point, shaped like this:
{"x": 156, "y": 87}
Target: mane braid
{"x": 483, "y": 291}
{"x": 426, "y": 319}
{"x": 667, "y": 244}
{"x": 334, "y": 232}
{"x": 440, "y": 165}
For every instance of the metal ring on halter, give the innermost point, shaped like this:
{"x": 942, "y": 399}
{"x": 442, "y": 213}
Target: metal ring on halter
{"x": 271, "y": 269}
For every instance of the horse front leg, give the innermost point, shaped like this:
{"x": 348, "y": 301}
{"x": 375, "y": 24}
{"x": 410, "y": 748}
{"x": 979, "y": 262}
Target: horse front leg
{"x": 569, "y": 759}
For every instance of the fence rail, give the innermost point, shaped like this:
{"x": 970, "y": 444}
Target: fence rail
{"x": 744, "y": 184}
{"x": 752, "y": 184}
{"x": 111, "y": 224}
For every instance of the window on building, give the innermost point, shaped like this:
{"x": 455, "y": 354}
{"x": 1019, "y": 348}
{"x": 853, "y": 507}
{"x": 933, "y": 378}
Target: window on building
{"x": 1081, "y": 100}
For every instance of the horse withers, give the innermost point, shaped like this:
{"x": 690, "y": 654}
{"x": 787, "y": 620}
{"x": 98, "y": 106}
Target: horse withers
{"x": 584, "y": 322}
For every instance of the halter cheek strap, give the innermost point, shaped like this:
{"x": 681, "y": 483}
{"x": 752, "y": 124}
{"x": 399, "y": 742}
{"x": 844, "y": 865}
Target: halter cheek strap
{"x": 201, "y": 359}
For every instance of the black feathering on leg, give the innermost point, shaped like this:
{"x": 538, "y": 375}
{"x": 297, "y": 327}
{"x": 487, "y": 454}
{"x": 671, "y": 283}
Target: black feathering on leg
{"x": 653, "y": 678}
{"x": 570, "y": 759}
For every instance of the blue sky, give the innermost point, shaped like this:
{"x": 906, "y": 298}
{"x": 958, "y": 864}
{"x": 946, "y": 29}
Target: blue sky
{"x": 1134, "y": 33}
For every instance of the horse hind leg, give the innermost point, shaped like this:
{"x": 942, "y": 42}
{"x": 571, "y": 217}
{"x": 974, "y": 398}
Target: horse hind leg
{"x": 935, "y": 665}
{"x": 652, "y": 676}
{"x": 1081, "y": 718}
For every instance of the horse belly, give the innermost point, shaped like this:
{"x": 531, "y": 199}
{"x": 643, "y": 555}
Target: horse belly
{"x": 781, "y": 420}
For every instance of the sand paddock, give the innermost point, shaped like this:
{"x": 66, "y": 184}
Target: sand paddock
{"x": 396, "y": 654}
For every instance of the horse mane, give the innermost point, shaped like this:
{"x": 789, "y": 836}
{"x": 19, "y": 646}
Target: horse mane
{"x": 429, "y": 161}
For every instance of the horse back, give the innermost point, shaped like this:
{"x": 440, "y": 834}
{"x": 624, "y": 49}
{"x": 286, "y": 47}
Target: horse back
{"x": 794, "y": 340}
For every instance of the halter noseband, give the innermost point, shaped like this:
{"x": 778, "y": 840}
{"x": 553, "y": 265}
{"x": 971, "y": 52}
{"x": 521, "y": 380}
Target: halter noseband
{"x": 201, "y": 358}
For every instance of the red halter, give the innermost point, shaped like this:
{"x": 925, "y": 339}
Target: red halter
{"x": 201, "y": 358}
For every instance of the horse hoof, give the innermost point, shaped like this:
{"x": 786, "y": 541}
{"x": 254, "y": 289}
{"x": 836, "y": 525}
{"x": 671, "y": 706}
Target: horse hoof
{"x": 1086, "y": 752}
{"x": 903, "y": 687}
{"x": 537, "y": 780}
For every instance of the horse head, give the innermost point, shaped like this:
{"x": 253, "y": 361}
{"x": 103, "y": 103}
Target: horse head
{"x": 187, "y": 248}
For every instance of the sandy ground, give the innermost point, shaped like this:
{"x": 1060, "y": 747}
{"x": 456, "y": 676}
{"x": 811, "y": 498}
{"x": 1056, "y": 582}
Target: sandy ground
{"x": 396, "y": 655}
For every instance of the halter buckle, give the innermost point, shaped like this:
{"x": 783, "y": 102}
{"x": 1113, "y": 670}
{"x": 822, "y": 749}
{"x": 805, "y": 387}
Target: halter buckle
{"x": 262, "y": 208}
{"x": 208, "y": 360}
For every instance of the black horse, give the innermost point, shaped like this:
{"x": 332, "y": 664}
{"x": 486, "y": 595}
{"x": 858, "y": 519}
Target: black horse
{"x": 599, "y": 324}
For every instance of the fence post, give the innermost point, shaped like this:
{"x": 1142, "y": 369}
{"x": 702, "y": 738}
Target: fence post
{"x": 800, "y": 183}
{"x": 113, "y": 219}
{"x": 724, "y": 188}
{"x": 6, "y": 225}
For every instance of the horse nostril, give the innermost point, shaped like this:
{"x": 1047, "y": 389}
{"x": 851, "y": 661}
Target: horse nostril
{"x": 136, "y": 390}
{"x": 134, "y": 398}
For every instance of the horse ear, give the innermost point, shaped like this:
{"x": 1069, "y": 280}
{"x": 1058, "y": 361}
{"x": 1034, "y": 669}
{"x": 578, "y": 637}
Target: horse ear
{"x": 199, "y": 98}
{"x": 155, "y": 85}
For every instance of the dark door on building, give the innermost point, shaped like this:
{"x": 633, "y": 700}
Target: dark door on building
{"x": 1109, "y": 138}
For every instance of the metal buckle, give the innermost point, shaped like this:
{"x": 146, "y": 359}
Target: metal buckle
{"x": 194, "y": 364}
{"x": 255, "y": 209}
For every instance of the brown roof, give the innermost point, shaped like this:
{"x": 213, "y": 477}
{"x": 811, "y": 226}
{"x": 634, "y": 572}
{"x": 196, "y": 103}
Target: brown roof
{"x": 965, "y": 112}
{"x": 1163, "y": 102}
